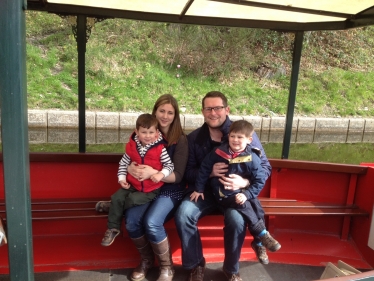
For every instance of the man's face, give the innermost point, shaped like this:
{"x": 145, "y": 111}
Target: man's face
{"x": 214, "y": 112}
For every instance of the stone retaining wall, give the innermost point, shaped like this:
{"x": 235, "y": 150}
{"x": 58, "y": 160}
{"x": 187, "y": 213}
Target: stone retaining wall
{"x": 114, "y": 127}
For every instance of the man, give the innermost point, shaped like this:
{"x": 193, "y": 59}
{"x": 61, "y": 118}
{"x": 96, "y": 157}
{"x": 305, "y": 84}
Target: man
{"x": 200, "y": 142}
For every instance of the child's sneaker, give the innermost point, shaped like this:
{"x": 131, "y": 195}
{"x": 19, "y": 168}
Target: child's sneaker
{"x": 102, "y": 206}
{"x": 260, "y": 252}
{"x": 109, "y": 236}
{"x": 269, "y": 242}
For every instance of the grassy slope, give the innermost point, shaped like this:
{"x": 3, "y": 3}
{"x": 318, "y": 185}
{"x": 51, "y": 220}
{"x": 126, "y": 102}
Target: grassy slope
{"x": 130, "y": 63}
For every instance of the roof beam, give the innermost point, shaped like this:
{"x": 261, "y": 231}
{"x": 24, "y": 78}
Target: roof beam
{"x": 287, "y": 8}
{"x": 198, "y": 20}
{"x": 185, "y": 9}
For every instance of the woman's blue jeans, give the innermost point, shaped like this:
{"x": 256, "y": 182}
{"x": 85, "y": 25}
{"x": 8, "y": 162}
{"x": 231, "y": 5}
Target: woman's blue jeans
{"x": 149, "y": 219}
{"x": 186, "y": 218}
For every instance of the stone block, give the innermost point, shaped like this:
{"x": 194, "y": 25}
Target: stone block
{"x": 60, "y": 135}
{"x": 368, "y": 137}
{"x": 256, "y": 121}
{"x": 355, "y": 130}
{"x": 62, "y": 119}
{"x": 107, "y": 120}
{"x": 124, "y": 136}
{"x": 90, "y": 136}
{"x": 107, "y": 136}
{"x": 128, "y": 120}
{"x": 90, "y": 120}
{"x": 306, "y": 124}
{"x": 235, "y": 117}
{"x": 38, "y": 135}
{"x": 37, "y": 118}
{"x": 192, "y": 122}
{"x": 305, "y": 136}
{"x": 332, "y": 124}
{"x": 330, "y": 136}
{"x": 369, "y": 125}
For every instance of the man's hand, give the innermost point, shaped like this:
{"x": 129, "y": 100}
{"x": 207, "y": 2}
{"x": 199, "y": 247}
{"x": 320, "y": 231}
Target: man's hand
{"x": 240, "y": 198}
{"x": 234, "y": 182}
{"x": 124, "y": 184}
{"x": 195, "y": 195}
{"x": 219, "y": 169}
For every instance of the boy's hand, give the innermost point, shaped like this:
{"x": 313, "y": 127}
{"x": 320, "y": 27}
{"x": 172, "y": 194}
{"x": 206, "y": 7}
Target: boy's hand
{"x": 157, "y": 177}
{"x": 240, "y": 198}
{"x": 195, "y": 195}
{"x": 124, "y": 184}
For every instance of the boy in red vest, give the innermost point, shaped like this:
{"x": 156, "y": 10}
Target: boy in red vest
{"x": 145, "y": 146}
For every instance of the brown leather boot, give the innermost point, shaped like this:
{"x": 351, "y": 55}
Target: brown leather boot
{"x": 147, "y": 258}
{"x": 163, "y": 255}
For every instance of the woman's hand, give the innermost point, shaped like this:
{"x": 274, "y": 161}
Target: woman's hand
{"x": 234, "y": 182}
{"x": 140, "y": 172}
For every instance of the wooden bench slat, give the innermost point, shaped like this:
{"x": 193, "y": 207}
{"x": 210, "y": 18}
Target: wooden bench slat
{"x": 302, "y": 204}
{"x": 68, "y": 208}
{"x": 315, "y": 211}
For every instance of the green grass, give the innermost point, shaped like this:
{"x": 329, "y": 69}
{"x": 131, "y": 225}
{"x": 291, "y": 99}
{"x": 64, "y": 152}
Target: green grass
{"x": 343, "y": 153}
{"x": 130, "y": 63}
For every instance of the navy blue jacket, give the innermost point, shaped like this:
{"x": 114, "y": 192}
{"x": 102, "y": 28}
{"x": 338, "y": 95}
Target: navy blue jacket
{"x": 247, "y": 165}
{"x": 200, "y": 145}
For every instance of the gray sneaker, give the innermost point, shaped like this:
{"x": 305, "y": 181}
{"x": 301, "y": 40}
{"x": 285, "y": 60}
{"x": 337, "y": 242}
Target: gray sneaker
{"x": 109, "y": 236}
{"x": 260, "y": 252}
{"x": 270, "y": 243}
{"x": 103, "y": 206}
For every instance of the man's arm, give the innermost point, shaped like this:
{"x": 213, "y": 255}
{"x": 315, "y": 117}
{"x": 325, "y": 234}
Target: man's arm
{"x": 192, "y": 166}
{"x": 264, "y": 160}
{"x": 257, "y": 178}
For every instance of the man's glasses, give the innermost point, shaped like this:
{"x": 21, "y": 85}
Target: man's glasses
{"x": 216, "y": 109}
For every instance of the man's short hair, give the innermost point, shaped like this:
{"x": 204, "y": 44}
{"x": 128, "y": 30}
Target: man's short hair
{"x": 146, "y": 120}
{"x": 242, "y": 126}
{"x": 215, "y": 94}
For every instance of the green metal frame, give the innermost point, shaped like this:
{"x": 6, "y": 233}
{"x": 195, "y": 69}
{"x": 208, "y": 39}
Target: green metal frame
{"x": 15, "y": 138}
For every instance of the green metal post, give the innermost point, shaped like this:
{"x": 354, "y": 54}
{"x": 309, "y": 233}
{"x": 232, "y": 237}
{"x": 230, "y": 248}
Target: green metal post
{"x": 15, "y": 138}
{"x": 298, "y": 44}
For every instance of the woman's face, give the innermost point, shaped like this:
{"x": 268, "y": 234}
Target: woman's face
{"x": 165, "y": 116}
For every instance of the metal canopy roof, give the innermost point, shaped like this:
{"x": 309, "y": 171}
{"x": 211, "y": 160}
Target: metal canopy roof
{"x": 287, "y": 15}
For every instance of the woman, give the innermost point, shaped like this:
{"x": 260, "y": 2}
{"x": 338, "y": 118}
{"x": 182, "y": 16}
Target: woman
{"x": 145, "y": 223}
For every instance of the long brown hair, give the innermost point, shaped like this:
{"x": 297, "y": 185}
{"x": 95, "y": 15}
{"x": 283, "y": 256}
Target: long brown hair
{"x": 175, "y": 130}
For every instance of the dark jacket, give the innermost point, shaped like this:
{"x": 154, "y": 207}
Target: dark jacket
{"x": 200, "y": 145}
{"x": 247, "y": 165}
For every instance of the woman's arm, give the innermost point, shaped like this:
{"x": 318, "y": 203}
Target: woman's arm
{"x": 180, "y": 161}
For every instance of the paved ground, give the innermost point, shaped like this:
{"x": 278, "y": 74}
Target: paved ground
{"x": 249, "y": 272}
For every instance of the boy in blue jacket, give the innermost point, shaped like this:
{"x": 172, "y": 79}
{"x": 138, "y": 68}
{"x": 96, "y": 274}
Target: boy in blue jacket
{"x": 243, "y": 160}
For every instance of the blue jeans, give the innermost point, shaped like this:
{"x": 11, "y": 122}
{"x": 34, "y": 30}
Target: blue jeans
{"x": 149, "y": 219}
{"x": 186, "y": 218}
